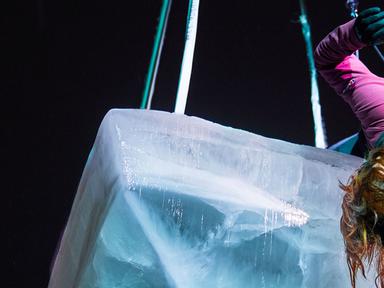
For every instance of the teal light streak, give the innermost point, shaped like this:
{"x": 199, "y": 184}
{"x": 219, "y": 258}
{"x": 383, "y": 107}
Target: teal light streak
{"x": 155, "y": 58}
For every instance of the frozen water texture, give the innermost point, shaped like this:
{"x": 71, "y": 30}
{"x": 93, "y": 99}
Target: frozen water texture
{"x": 167, "y": 200}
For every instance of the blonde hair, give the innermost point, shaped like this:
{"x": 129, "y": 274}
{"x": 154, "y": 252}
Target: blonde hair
{"x": 362, "y": 221}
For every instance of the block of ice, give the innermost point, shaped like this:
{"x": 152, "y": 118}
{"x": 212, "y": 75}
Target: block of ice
{"x": 168, "y": 200}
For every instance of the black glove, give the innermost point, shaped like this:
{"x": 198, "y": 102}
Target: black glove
{"x": 369, "y": 26}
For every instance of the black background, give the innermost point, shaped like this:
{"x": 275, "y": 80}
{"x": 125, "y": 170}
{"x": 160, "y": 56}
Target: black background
{"x": 65, "y": 63}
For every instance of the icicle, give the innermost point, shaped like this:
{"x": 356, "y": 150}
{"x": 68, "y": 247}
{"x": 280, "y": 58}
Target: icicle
{"x": 186, "y": 66}
{"x": 320, "y": 137}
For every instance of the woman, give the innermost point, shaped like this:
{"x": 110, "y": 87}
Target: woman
{"x": 362, "y": 221}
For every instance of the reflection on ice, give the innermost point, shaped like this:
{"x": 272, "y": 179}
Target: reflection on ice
{"x": 294, "y": 217}
{"x": 174, "y": 201}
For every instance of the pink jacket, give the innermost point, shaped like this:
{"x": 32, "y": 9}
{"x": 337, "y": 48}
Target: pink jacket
{"x": 351, "y": 79}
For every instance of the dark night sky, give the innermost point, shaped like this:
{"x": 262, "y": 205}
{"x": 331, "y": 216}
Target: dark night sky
{"x": 66, "y": 63}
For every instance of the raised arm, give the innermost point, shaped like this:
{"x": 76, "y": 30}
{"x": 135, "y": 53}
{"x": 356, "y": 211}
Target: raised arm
{"x": 351, "y": 79}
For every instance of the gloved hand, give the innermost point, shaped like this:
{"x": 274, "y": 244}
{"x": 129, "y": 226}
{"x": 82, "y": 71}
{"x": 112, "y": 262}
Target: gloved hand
{"x": 369, "y": 26}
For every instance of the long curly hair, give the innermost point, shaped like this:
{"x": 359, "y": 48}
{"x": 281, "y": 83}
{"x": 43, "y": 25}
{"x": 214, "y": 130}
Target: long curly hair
{"x": 362, "y": 221}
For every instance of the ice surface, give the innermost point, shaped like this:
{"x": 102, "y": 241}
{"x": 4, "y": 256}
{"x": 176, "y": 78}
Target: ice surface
{"x": 168, "y": 200}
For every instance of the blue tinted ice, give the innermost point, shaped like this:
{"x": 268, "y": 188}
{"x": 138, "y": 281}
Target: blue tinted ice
{"x": 168, "y": 200}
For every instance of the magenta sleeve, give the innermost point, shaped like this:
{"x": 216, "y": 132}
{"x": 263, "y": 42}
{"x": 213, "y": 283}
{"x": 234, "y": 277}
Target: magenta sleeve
{"x": 351, "y": 79}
